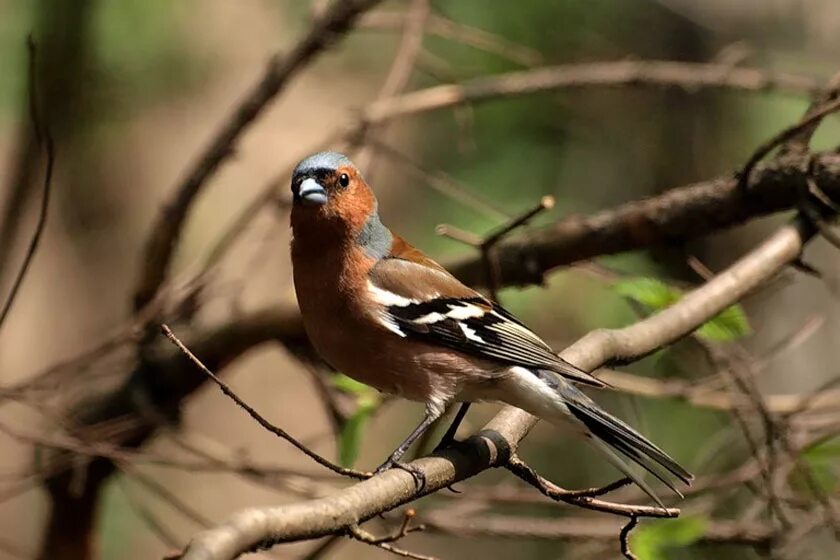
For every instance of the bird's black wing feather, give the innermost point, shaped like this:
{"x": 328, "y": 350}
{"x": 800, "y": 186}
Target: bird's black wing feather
{"x": 468, "y": 323}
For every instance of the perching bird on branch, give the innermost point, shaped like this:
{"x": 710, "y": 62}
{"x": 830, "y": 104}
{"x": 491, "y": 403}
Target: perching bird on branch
{"x": 382, "y": 312}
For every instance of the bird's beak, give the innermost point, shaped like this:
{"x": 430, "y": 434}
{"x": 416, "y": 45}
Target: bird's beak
{"x": 312, "y": 193}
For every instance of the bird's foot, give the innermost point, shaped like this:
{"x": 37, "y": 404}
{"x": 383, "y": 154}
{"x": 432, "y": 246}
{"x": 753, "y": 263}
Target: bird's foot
{"x": 418, "y": 475}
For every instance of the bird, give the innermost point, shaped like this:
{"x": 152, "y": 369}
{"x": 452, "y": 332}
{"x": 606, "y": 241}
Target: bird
{"x": 380, "y": 311}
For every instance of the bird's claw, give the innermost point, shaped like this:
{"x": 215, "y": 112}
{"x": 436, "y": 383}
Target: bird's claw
{"x": 418, "y": 475}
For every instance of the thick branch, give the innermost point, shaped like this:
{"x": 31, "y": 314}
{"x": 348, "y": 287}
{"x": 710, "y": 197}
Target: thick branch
{"x": 673, "y": 217}
{"x": 264, "y": 526}
{"x": 166, "y": 230}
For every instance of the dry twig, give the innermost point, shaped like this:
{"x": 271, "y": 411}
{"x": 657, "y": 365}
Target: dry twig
{"x": 45, "y": 140}
{"x": 279, "y": 432}
{"x": 385, "y": 543}
{"x": 624, "y": 538}
{"x": 809, "y": 120}
{"x": 646, "y": 73}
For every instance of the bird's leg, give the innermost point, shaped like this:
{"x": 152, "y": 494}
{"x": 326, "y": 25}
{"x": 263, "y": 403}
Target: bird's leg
{"x": 432, "y": 414}
{"x": 449, "y": 437}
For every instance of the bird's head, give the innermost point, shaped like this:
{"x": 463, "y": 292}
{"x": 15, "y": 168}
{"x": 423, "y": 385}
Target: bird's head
{"x": 328, "y": 190}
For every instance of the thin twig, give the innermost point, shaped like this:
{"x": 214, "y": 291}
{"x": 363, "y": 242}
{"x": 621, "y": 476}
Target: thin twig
{"x": 257, "y": 416}
{"x": 384, "y": 543}
{"x": 34, "y": 100}
{"x": 808, "y": 207}
{"x": 586, "y": 499}
{"x": 545, "y": 203}
{"x": 580, "y": 528}
{"x": 455, "y": 31}
{"x": 488, "y": 258}
{"x": 405, "y": 528}
{"x": 800, "y": 142}
{"x": 807, "y": 121}
{"x": 441, "y": 182}
{"x": 525, "y": 472}
{"x": 457, "y": 234}
{"x": 642, "y": 73}
{"x": 400, "y": 72}
{"x": 486, "y": 244}
{"x": 412, "y": 39}
{"x": 624, "y": 538}
{"x": 44, "y": 138}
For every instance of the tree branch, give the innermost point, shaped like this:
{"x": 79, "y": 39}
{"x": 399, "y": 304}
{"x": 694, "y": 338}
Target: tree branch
{"x": 673, "y": 217}
{"x": 581, "y": 528}
{"x": 649, "y": 73}
{"x": 495, "y": 444}
{"x": 258, "y": 418}
{"x": 44, "y": 139}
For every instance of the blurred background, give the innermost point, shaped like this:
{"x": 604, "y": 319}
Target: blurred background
{"x": 134, "y": 90}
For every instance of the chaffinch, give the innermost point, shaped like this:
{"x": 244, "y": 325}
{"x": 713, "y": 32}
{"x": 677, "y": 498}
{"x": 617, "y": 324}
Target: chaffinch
{"x": 382, "y": 312}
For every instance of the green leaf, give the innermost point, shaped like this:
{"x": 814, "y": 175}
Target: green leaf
{"x": 652, "y": 541}
{"x": 655, "y": 295}
{"x": 822, "y": 459}
{"x": 367, "y": 401}
{"x": 349, "y": 385}
{"x": 730, "y": 324}
{"x": 650, "y": 292}
{"x": 351, "y": 435}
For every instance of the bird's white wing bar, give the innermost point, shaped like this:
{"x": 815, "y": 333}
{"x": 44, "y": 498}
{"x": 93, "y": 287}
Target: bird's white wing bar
{"x": 472, "y": 325}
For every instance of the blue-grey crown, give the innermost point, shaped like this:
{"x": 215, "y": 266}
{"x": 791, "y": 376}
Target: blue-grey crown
{"x": 327, "y": 161}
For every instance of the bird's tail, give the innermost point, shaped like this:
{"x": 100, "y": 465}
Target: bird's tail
{"x": 544, "y": 394}
{"x": 619, "y": 442}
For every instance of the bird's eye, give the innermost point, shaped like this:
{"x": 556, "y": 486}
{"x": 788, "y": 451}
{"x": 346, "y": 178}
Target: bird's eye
{"x": 344, "y": 180}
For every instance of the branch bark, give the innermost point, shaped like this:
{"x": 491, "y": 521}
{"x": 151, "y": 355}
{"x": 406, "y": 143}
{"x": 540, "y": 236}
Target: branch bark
{"x": 262, "y": 527}
{"x": 673, "y": 217}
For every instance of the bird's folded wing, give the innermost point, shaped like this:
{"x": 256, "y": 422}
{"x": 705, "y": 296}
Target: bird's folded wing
{"x": 429, "y": 304}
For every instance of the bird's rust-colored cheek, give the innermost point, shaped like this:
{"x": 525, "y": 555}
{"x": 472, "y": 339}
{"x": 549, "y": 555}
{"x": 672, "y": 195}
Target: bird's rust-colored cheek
{"x": 353, "y": 204}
